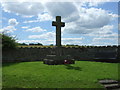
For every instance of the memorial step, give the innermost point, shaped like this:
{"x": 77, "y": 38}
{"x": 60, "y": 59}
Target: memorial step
{"x": 110, "y": 84}
{"x": 108, "y": 81}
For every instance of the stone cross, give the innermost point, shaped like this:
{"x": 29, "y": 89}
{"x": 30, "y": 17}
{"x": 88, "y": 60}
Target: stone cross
{"x": 58, "y": 25}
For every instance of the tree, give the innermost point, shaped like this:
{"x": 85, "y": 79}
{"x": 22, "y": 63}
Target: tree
{"x": 22, "y": 44}
{"x": 8, "y": 42}
{"x": 51, "y": 45}
{"x": 39, "y": 44}
{"x": 35, "y": 44}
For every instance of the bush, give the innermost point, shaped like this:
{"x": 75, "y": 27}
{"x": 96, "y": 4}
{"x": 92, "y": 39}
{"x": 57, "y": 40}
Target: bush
{"x": 8, "y": 42}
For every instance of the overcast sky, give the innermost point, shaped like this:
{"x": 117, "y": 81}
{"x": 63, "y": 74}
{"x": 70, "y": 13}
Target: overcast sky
{"x": 86, "y": 23}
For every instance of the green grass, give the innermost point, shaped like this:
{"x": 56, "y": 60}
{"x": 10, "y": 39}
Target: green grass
{"x": 83, "y": 74}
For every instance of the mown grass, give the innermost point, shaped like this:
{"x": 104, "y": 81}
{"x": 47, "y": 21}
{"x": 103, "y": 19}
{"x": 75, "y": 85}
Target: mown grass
{"x": 83, "y": 74}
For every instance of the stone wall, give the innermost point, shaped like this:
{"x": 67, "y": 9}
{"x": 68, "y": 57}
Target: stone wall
{"x": 38, "y": 54}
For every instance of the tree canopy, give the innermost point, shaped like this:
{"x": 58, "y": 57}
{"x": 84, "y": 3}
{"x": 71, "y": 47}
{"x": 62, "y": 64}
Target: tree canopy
{"x": 8, "y": 42}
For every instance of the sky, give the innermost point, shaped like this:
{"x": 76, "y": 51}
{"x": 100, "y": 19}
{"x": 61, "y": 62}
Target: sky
{"x": 86, "y": 23}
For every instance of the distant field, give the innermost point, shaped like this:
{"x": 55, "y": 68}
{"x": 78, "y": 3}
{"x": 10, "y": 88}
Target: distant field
{"x": 83, "y": 74}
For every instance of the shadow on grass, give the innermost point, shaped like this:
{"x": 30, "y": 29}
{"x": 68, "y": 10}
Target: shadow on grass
{"x": 68, "y": 66}
{"x": 103, "y": 60}
{"x": 9, "y": 64}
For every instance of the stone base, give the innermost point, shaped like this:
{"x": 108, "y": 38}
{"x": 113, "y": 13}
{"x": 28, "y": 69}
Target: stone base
{"x": 57, "y": 60}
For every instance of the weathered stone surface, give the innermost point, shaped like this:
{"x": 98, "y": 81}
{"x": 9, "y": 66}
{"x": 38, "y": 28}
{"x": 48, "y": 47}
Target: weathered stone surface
{"x": 38, "y": 54}
{"x": 56, "y": 60}
{"x": 110, "y": 84}
{"x": 58, "y": 25}
{"x": 108, "y": 81}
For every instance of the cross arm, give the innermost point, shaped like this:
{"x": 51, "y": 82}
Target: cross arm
{"x": 53, "y": 23}
{"x": 62, "y": 24}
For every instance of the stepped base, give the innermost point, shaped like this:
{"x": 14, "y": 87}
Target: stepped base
{"x": 57, "y": 60}
{"x": 110, "y": 84}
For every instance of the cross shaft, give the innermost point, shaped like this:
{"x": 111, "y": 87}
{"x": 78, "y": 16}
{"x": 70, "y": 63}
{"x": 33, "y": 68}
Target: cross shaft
{"x": 58, "y": 25}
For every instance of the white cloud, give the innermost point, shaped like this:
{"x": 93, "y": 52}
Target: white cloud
{"x": 24, "y": 16}
{"x": 100, "y": 43}
{"x": 95, "y": 3}
{"x": 114, "y": 15}
{"x": 94, "y": 18}
{"x": 44, "y": 42}
{"x": 52, "y": 41}
{"x": 76, "y": 41}
{"x": 105, "y": 30}
{"x": 8, "y": 29}
{"x": 12, "y": 22}
{"x": 90, "y": 20}
{"x": 11, "y": 28}
{"x": 25, "y": 27}
{"x": 105, "y": 39}
{"x": 44, "y": 17}
{"x": 36, "y": 29}
{"x": 66, "y": 10}
{"x": 41, "y": 17}
{"x": 23, "y": 8}
{"x": 48, "y": 35}
{"x": 72, "y": 38}
{"x": 31, "y": 21}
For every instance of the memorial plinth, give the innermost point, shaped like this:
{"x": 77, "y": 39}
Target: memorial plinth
{"x": 58, "y": 58}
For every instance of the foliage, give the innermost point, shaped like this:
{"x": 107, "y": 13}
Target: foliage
{"x": 71, "y": 45}
{"x": 83, "y": 74}
{"x": 22, "y": 44}
{"x": 8, "y": 42}
{"x": 36, "y": 44}
{"x": 51, "y": 45}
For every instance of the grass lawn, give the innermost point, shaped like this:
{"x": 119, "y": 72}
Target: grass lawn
{"x": 83, "y": 74}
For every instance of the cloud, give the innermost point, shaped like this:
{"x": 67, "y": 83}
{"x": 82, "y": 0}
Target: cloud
{"x": 36, "y": 29}
{"x": 48, "y": 35}
{"x": 66, "y": 10}
{"x": 12, "y": 22}
{"x": 95, "y": 3}
{"x": 44, "y": 17}
{"x": 31, "y": 21}
{"x": 76, "y": 41}
{"x": 41, "y": 17}
{"x": 11, "y": 27}
{"x": 104, "y": 32}
{"x": 23, "y": 8}
{"x": 25, "y": 27}
{"x": 90, "y": 20}
{"x": 8, "y": 29}
{"x": 24, "y": 16}
{"x": 105, "y": 39}
{"x": 100, "y": 43}
{"x": 44, "y": 42}
{"x": 94, "y": 18}
{"x": 52, "y": 41}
